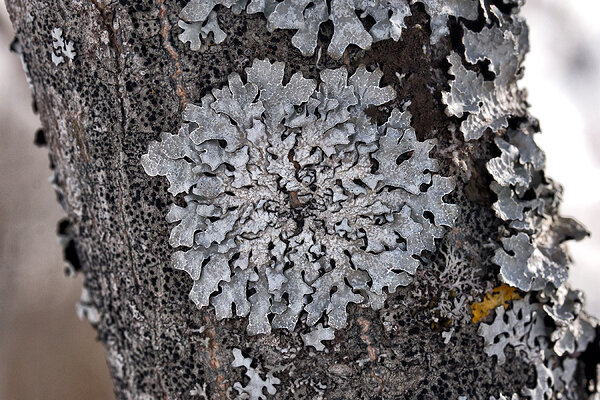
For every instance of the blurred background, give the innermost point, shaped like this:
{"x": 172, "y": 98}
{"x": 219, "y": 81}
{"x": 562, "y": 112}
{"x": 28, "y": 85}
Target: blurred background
{"x": 47, "y": 353}
{"x": 562, "y": 76}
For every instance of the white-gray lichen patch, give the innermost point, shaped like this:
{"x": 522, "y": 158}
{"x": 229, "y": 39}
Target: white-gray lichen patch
{"x": 296, "y": 203}
{"x": 61, "y": 47}
{"x": 306, "y": 16}
{"x": 440, "y": 10}
{"x": 503, "y": 397}
{"x": 533, "y": 255}
{"x": 488, "y": 103}
{"x": 575, "y": 330}
{"x": 523, "y": 327}
{"x": 520, "y": 327}
{"x": 194, "y": 32}
{"x": 86, "y": 309}
{"x": 317, "y": 336}
{"x": 257, "y": 385}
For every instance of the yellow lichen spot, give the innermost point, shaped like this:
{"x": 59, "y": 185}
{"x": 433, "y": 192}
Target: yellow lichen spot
{"x": 500, "y": 296}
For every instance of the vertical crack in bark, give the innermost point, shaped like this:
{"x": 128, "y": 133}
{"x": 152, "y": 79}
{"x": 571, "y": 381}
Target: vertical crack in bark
{"x": 112, "y": 33}
{"x": 220, "y": 386}
{"x": 106, "y": 19}
{"x": 165, "y": 29}
{"x": 156, "y": 339}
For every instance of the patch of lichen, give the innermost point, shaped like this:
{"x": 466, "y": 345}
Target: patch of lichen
{"x": 499, "y": 296}
{"x": 162, "y": 353}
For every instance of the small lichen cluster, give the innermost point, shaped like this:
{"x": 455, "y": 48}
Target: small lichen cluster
{"x": 520, "y": 326}
{"x": 195, "y": 31}
{"x": 488, "y": 103}
{"x": 61, "y": 48}
{"x": 523, "y": 328}
{"x": 199, "y": 18}
{"x": 257, "y": 386}
{"x": 86, "y": 309}
{"x": 317, "y": 336}
{"x": 296, "y": 203}
{"x": 574, "y": 328}
{"x": 499, "y": 296}
{"x": 457, "y": 286}
{"x": 503, "y": 397}
{"x": 440, "y": 10}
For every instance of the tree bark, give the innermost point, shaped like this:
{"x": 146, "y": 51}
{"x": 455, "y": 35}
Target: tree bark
{"x": 130, "y": 80}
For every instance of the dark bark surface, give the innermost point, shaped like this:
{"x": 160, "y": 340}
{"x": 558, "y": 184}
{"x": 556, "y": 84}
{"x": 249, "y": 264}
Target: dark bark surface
{"x": 129, "y": 82}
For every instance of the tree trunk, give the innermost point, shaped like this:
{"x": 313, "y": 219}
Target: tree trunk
{"x": 400, "y": 308}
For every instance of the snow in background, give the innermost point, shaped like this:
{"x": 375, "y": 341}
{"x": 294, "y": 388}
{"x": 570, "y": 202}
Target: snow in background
{"x": 562, "y": 76}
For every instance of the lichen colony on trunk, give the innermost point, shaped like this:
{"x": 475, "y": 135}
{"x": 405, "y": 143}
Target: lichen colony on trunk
{"x": 253, "y": 185}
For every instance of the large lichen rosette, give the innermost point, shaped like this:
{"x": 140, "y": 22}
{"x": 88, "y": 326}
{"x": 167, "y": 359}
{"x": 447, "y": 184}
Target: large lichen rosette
{"x": 297, "y": 204}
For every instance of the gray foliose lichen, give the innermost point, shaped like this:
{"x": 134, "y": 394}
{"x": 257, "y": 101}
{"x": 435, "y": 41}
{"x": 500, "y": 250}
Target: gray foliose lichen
{"x": 349, "y": 18}
{"x": 257, "y": 385}
{"x": 488, "y": 104}
{"x": 296, "y": 203}
{"x": 548, "y": 327}
{"x": 550, "y": 352}
{"x": 533, "y": 253}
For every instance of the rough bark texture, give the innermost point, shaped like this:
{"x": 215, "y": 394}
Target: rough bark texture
{"x": 129, "y": 81}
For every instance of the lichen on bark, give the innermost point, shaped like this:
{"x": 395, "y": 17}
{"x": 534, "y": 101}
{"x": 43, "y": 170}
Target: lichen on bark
{"x": 130, "y": 81}
{"x": 294, "y": 194}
